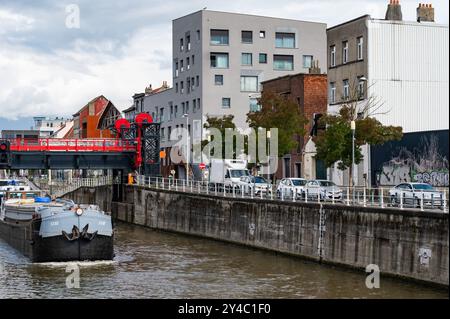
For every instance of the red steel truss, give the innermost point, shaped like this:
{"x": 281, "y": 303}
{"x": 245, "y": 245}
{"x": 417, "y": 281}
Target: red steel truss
{"x": 72, "y": 145}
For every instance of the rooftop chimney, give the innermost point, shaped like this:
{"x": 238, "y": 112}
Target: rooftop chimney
{"x": 165, "y": 85}
{"x": 394, "y": 11}
{"x": 148, "y": 90}
{"x": 425, "y": 13}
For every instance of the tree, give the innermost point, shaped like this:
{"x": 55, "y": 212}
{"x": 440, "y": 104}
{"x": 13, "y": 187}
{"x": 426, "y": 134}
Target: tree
{"x": 281, "y": 113}
{"x": 221, "y": 123}
{"x": 334, "y": 144}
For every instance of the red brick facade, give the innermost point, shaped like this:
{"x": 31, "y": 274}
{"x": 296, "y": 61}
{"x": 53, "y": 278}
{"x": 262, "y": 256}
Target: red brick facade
{"x": 310, "y": 92}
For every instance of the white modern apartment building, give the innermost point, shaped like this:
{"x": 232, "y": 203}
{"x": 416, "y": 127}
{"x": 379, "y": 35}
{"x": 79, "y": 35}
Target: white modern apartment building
{"x": 401, "y": 64}
{"x": 48, "y": 126}
{"x": 219, "y": 61}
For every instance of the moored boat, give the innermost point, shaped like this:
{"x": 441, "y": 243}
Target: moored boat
{"x": 48, "y": 231}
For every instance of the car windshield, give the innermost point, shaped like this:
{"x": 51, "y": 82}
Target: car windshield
{"x": 299, "y": 182}
{"x": 258, "y": 180}
{"x": 238, "y": 173}
{"x": 326, "y": 183}
{"x": 426, "y": 187}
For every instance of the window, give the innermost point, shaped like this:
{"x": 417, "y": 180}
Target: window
{"x": 176, "y": 69}
{"x": 307, "y": 61}
{"x": 198, "y": 35}
{"x": 360, "y": 48}
{"x": 226, "y": 102}
{"x": 176, "y": 87}
{"x": 247, "y": 37}
{"x": 283, "y": 62}
{"x": 332, "y": 92}
{"x": 284, "y": 40}
{"x": 192, "y": 84}
{"x": 219, "y": 37}
{"x": 193, "y": 61}
{"x": 198, "y": 103}
{"x": 181, "y": 87}
{"x": 218, "y": 79}
{"x": 194, "y": 105}
{"x": 183, "y": 108}
{"x": 181, "y": 65}
{"x": 249, "y": 84}
{"x": 187, "y": 107}
{"x": 263, "y": 58}
{"x": 344, "y": 52}
{"x": 188, "y": 43}
{"x": 188, "y": 85}
{"x": 176, "y": 111}
{"x": 161, "y": 114}
{"x": 346, "y": 89}
{"x": 171, "y": 112}
{"x": 333, "y": 55}
{"x": 169, "y": 132}
{"x": 197, "y": 80}
{"x": 181, "y": 45}
{"x": 254, "y": 106}
{"x": 360, "y": 87}
{"x": 219, "y": 60}
{"x": 262, "y": 34}
{"x": 246, "y": 59}
{"x": 188, "y": 63}
{"x": 163, "y": 135}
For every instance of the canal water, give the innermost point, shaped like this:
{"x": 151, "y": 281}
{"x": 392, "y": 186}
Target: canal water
{"x": 152, "y": 264}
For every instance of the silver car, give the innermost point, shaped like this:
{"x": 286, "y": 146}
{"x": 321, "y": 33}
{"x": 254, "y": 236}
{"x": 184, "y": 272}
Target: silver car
{"x": 325, "y": 190}
{"x": 412, "y": 194}
{"x": 290, "y": 186}
{"x": 247, "y": 183}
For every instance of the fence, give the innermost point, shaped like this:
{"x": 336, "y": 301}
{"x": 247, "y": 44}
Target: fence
{"x": 357, "y": 196}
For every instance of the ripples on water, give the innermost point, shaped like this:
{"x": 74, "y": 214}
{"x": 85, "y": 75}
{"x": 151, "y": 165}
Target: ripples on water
{"x": 152, "y": 264}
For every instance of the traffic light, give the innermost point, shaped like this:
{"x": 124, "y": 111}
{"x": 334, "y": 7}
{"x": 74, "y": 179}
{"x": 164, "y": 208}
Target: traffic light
{"x": 4, "y": 154}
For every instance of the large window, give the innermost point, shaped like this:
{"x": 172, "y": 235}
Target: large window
{"x": 219, "y": 60}
{"x": 360, "y": 87}
{"x": 346, "y": 89}
{"x": 333, "y": 55}
{"x": 307, "y": 61}
{"x": 247, "y": 37}
{"x": 360, "y": 47}
{"x": 344, "y": 52}
{"x": 283, "y": 62}
{"x": 246, "y": 59}
{"x": 284, "y": 40}
{"x": 219, "y": 37}
{"x": 249, "y": 83}
{"x": 332, "y": 92}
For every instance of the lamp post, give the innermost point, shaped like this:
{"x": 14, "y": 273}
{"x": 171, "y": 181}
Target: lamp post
{"x": 268, "y": 151}
{"x": 188, "y": 150}
{"x": 353, "y": 128}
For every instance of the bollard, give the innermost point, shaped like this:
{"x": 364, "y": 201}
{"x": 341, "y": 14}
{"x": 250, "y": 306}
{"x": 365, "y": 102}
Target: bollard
{"x": 382, "y": 198}
{"x": 234, "y": 192}
{"x": 348, "y": 196}
{"x": 207, "y": 188}
{"x": 224, "y": 191}
{"x": 421, "y": 201}
{"x": 271, "y": 193}
{"x": 444, "y": 202}
{"x": 242, "y": 191}
{"x": 364, "y": 197}
{"x": 282, "y": 194}
{"x": 306, "y": 195}
{"x": 401, "y": 199}
{"x": 176, "y": 185}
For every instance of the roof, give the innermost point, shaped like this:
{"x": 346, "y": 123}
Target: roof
{"x": 105, "y": 111}
{"x": 91, "y": 101}
{"x": 291, "y": 76}
{"x": 366, "y": 16}
{"x": 130, "y": 109}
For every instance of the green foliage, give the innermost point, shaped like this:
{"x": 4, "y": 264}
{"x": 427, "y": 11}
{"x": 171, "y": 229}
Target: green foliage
{"x": 222, "y": 124}
{"x": 283, "y": 114}
{"x": 334, "y": 145}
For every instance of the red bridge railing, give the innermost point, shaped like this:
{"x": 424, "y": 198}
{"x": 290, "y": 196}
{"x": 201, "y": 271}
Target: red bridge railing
{"x": 72, "y": 145}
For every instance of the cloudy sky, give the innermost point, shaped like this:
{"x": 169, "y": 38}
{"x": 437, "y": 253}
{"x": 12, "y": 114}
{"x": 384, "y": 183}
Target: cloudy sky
{"x": 47, "y": 68}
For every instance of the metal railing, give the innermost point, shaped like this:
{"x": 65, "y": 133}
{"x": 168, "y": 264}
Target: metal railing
{"x": 357, "y": 196}
{"x": 58, "y": 188}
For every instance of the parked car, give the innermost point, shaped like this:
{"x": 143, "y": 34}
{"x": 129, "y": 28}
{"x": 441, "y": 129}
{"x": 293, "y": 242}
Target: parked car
{"x": 290, "y": 186}
{"x": 247, "y": 183}
{"x": 412, "y": 194}
{"x": 325, "y": 190}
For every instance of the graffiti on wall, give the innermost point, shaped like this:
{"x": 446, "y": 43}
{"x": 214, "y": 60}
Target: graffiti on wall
{"x": 423, "y": 165}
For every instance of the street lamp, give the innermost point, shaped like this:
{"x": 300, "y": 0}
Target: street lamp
{"x": 186, "y": 116}
{"x": 268, "y": 151}
{"x": 353, "y": 128}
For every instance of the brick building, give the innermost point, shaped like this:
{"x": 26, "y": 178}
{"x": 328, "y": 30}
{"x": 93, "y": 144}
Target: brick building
{"x": 93, "y": 120}
{"x": 309, "y": 91}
